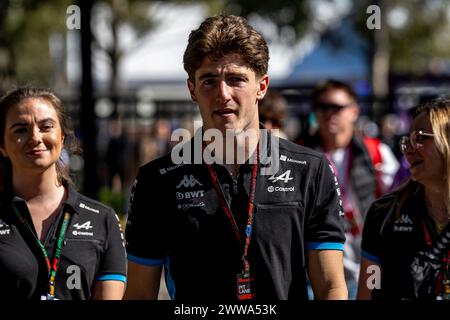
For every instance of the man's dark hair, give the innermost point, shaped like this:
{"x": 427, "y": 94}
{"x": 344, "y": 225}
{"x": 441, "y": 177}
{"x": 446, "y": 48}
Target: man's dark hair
{"x": 329, "y": 85}
{"x": 222, "y": 35}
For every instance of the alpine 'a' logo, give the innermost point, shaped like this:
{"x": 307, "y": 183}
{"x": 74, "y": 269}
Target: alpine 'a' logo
{"x": 188, "y": 182}
{"x": 86, "y": 225}
{"x": 285, "y": 177}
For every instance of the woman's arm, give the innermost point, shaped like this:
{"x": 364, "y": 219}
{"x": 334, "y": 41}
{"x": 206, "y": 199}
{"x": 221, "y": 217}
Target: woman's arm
{"x": 369, "y": 279}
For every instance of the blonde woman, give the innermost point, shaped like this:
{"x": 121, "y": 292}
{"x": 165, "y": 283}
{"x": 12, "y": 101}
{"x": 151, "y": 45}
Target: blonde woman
{"x": 406, "y": 237}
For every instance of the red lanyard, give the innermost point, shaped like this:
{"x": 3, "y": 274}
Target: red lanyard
{"x": 227, "y": 210}
{"x": 52, "y": 266}
{"x": 352, "y": 213}
{"x": 428, "y": 240}
{"x": 343, "y": 179}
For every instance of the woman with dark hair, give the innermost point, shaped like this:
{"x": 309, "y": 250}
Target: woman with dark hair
{"x": 406, "y": 237}
{"x": 54, "y": 242}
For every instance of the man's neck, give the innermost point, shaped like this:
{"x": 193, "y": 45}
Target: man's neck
{"x": 237, "y": 148}
{"x": 331, "y": 143}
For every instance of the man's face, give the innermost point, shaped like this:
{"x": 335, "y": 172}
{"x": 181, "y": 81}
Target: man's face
{"x": 227, "y": 92}
{"x": 336, "y": 112}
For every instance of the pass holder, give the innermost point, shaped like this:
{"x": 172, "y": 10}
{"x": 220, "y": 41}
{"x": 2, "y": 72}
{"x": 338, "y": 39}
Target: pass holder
{"x": 244, "y": 284}
{"x": 48, "y": 297}
{"x": 445, "y": 294}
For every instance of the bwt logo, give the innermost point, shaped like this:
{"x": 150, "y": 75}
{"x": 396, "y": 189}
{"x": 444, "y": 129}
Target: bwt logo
{"x": 73, "y": 21}
{"x": 190, "y": 195}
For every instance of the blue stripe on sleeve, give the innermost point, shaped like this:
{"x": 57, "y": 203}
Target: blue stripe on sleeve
{"x": 114, "y": 277}
{"x": 371, "y": 257}
{"x": 324, "y": 246}
{"x": 145, "y": 262}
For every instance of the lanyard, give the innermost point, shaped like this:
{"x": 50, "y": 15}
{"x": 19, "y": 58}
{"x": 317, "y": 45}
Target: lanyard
{"x": 443, "y": 281}
{"x": 352, "y": 213}
{"x": 52, "y": 266}
{"x": 428, "y": 240}
{"x": 226, "y": 208}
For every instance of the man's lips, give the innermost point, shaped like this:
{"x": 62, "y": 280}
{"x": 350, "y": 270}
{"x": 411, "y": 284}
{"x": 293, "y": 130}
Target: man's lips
{"x": 225, "y": 112}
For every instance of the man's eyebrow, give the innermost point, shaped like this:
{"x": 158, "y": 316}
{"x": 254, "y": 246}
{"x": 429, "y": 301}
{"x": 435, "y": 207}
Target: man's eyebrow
{"x": 208, "y": 75}
{"x": 237, "y": 74}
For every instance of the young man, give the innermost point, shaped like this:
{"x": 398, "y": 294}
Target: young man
{"x": 365, "y": 168}
{"x": 228, "y": 231}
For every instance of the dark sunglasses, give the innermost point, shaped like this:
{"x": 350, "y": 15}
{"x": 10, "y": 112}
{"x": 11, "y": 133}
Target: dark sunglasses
{"x": 320, "y": 106}
{"x": 414, "y": 140}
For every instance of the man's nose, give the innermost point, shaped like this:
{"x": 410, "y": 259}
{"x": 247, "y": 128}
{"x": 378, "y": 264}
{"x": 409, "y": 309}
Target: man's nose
{"x": 224, "y": 91}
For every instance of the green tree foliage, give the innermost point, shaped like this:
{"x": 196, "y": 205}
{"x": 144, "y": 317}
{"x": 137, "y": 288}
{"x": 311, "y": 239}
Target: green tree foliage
{"x": 288, "y": 16}
{"x": 117, "y": 14}
{"x": 25, "y": 27}
{"x": 424, "y": 38}
{"x": 417, "y": 32}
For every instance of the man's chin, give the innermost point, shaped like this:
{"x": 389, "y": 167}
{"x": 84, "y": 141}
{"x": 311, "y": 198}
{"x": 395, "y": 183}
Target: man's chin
{"x": 229, "y": 127}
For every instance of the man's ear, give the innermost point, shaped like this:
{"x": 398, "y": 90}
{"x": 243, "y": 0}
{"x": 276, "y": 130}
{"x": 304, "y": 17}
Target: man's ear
{"x": 355, "y": 112}
{"x": 263, "y": 85}
{"x": 191, "y": 87}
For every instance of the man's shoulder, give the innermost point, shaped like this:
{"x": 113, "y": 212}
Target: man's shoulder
{"x": 290, "y": 148}
{"x": 165, "y": 170}
{"x": 160, "y": 165}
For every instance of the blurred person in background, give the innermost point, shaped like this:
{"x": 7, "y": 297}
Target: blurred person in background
{"x": 389, "y": 133}
{"x": 273, "y": 111}
{"x": 54, "y": 242}
{"x": 364, "y": 166}
{"x": 116, "y": 154}
{"x": 161, "y": 133}
{"x": 406, "y": 235}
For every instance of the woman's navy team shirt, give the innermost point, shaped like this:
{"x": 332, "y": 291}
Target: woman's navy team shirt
{"x": 93, "y": 250}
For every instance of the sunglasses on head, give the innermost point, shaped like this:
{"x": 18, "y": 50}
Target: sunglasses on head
{"x": 414, "y": 140}
{"x": 321, "y": 106}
